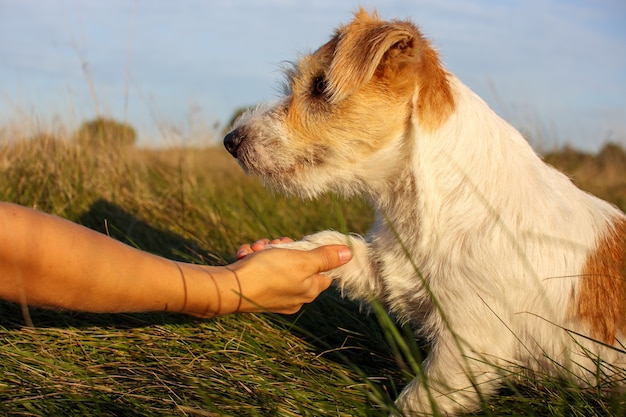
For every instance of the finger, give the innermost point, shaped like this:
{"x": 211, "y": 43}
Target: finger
{"x": 260, "y": 244}
{"x": 330, "y": 257}
{"x": 282, "y": 239}
{"x": 322, "y": 282}
{"x": 318, "y": 283}
{"x": 243, "y": 251}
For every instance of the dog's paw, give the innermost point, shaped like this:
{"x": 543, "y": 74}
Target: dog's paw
{"x": 330, "y": 237}
{"x": 357, "y": 278}
{"x": 327, "y": 237}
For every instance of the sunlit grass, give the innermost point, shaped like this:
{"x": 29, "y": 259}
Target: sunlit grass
{"x": 197, "y": 205}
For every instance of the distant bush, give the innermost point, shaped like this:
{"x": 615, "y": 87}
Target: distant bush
{"x": 106, "y": 133}
{"x": 602, "y": 174}
{"x": 613, "y": 155}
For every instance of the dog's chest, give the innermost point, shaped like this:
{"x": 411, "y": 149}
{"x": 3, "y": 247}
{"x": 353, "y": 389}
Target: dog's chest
{"x": 402, "y": 270}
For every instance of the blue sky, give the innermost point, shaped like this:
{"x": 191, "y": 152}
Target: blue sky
{"x": 175, "y": 69}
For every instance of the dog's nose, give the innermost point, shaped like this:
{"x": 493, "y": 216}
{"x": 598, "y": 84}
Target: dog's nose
{"x": 232, "y": 141}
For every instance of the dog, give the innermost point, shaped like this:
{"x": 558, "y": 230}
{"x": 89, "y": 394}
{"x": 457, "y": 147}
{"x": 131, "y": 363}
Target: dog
{"x": 502, "y": 264}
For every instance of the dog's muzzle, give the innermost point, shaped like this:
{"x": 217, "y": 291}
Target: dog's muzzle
{"x": 233, "y": 140}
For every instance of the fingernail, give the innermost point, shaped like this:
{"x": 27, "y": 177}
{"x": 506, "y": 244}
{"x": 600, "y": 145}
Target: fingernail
{"x": 345, "y": 254}
{"x": 241, "y": 253}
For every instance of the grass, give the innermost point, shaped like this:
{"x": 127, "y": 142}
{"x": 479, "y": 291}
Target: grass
{"x": 196, "y": 205}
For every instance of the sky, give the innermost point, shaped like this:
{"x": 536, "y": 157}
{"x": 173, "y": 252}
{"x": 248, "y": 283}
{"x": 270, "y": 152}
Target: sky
{"x": 177, "y": 70}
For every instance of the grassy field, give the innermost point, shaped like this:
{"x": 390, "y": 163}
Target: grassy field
{"x": 331, "y": 359}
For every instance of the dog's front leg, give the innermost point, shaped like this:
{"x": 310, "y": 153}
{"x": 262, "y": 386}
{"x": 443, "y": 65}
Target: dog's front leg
{"x": 358, "y": 278}
{"x": 454, "y": 379}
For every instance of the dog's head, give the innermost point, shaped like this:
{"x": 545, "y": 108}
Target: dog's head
{"x": 348, "y": 112}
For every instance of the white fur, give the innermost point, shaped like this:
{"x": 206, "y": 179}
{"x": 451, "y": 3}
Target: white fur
{"x": 470, "y": 217}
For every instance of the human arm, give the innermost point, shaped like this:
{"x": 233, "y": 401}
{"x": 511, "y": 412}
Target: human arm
{"x": 51, "y": 262}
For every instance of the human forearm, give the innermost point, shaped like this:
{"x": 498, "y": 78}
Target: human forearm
{"x": 50, "y": 262}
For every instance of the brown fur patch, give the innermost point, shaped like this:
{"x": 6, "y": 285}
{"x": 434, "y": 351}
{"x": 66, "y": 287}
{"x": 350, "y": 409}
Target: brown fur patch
{"x": 397, "y": 56}
{"x": 601, "y": 301}
{"x": 362, "y": 48}
{"x": 435, "y": 102}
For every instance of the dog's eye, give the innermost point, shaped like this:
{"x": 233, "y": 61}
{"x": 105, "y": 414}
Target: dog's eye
{"x": 319, "y": 86}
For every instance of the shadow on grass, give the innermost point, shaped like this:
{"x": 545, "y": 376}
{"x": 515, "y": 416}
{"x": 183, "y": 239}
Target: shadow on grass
{"x": 12, "y": 317}
{"x": 335, "y": 328}
{"x": 343, "y": 332}
{"x": 110, "y": 219}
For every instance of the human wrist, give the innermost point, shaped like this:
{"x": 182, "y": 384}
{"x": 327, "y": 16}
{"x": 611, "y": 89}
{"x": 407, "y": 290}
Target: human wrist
{"x": 209, "y": 291}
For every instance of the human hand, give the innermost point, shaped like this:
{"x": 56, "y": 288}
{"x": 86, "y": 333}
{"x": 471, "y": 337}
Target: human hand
{"x": 282, "y": 280}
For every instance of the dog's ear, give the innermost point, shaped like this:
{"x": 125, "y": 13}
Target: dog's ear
{"x": 396, "y": 52}
{"x": 435, "y": 102}
{"x": 362, "y": 47}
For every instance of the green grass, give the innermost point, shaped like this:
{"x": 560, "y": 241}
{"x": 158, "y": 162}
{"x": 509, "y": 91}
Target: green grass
{"x": 196, "y": 205}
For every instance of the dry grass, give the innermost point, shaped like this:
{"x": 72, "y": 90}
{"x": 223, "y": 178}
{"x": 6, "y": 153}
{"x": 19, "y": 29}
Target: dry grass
{"x": 196, "y": 205}
{"x": 602, "y": 174}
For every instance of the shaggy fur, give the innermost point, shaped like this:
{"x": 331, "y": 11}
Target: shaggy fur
{"x": 497, "y": 257}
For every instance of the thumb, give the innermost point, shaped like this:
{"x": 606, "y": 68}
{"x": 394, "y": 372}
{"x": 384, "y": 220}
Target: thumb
{"x": 331, "y": 256}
